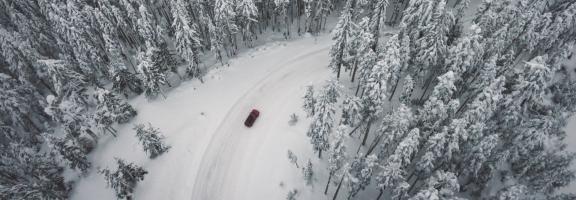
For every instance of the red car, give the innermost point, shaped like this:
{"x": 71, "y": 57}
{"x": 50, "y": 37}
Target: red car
{"x": 251, "y": 118}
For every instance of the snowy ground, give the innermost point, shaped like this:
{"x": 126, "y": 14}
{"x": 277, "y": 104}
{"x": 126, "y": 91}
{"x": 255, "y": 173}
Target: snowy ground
{"x": 213, "y": 156}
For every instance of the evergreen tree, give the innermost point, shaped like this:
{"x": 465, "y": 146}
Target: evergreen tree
{"x": 109, "y": 109}
{"x": 125, "y": 82}
{"x": 432, "y": 47}
{"x": 406, "y": 96}
{"x": 377, "y": 20}
{"x": 359, "y": 49}
{"x": 71, "y": 152}
{"x": 442, "y": 185}
{"x": 63, "y": 78}
{"x": 308, "y": 174}
{"x": 359, "y": 174}
{"x": 392, "y": 52}
{"x": 343, "y": 33}
{"x": 124, "y": 179}
{"x": 151, "y": 140}
{"x": 352, "y": 111}
{"x": 322, "y": 122}
{"x": 336, "y": 155}
{"x": 246, "y": 14}
{"x": 29, "y": 174}
{"x": 71, "y": 115}
{"x": 147, "y": 28}
{"x": 187, "y": 38}
{"x": 225, "y": 25}
{"x": 17, "y": 105}
{"x": 394, "y": 127}
{"x": 152, "y": 75}
{"x": 374, "y": 94}
{"x": 309, "y": 101}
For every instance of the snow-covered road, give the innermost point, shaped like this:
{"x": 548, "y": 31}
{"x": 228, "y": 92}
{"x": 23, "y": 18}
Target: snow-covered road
{"x": 234, "y": 150}
{"x": 213, "y": 155}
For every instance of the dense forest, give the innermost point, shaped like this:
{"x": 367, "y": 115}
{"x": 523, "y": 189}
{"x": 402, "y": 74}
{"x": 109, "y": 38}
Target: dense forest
{"x": 453, "y": 104}
{"x": 67, "y": 67}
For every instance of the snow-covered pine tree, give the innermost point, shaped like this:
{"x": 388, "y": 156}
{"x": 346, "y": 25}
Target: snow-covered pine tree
{"x": 29, "y": 174}
{"x": 393, "y": 175}
{"x": 110, "y": 109}
{"x": 358, "y": 49}
{"x": 431, "y": 49}
{"x": 336, "y": 155}
{"x": 466, "y": 54}
{"x": 72, "y": 116}
{"x": 125, "y": 82}
{"x": 63, "y": 77}
{"x": 377, "y": 20}
{"x": 19, "y": 107}
{"x": 152, "y": 75}
{"x": 442, "y": 185}
{"x": 393, "y": 128}
{"x": 359, "y": 174}
{"x": 323, "y": 119}
{"x": 417, "y": 15}
{"x": 188, "y": 43}
{"x": 309, "y": 101}
{"x": 440, "y": 104}
{"x": 78, "y": 38}
{"x": 332, "y": 91}
{"x": 151, "y": 140}
{"x": 124, "y": 179}
{"x": 308, "y": 174}
{"x": 225, "y": 25}
{"x": 147, "y": 28}
{"x": 352, "y": 111}
{"x": 71, "y": 152}
{"x": 246, "y": 15}
{"x": 342, "y": 34}
{"x": 374, "y": 94}
{"x": 513, "y": 192}
{"x": 408, "y": 89}
{"x": 391, "y": 55}
{"x": 284, "y": 14}
{"x": 367, "y": 63}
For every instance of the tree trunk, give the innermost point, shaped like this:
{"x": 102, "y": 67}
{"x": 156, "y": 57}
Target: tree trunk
{"x": 354, "y": 73}
{"x": 338, "y": 188}
{"x": 380, "y": 194}
{"x": 374, "y": 144}
{"x": 421, "y": 100}
{"x": 320, "y": 154}
{"x": 354, "y": 130}
{"x": 328, "y": 183}
{"x": 338, "y": 72}
{"x": 394, "y": 89}
{"x": 33, "y": 124}
{"x": 412, "y": 186}
{"x": 366, "y": 133}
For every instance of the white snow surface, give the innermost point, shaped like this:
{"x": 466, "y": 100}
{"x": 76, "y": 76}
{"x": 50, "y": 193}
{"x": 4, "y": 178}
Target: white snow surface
{"x": 213, "y": 155}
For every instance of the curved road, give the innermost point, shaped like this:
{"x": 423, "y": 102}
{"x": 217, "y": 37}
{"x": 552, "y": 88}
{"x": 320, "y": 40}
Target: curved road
{"x": 229, "y": 155}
